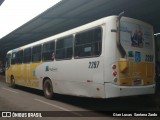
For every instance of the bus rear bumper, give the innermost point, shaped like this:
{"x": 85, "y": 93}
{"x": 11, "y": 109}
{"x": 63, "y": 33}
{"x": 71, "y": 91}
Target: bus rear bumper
{"x": 119, "y": 91}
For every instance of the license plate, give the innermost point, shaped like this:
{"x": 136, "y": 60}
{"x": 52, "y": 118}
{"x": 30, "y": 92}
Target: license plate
{"x": 137, "y": 82}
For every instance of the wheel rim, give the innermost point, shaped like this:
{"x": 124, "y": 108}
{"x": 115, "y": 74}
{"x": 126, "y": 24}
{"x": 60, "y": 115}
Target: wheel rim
{"x": 48, "y": 88}
{"x": 12, "y": 82}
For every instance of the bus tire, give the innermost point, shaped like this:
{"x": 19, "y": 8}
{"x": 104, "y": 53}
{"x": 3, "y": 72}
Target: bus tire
{"x": 48, "y": 89}
{"x": 12, "y": 82}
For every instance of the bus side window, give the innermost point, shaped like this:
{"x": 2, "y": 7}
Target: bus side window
{"x": 19, "y": 57}
{"x": 13, "y": 59}
{"x": 36, "y": 53}
{"x": 64, "y": 48}
{"x": 27, "y": 55}
{"x": 88, "y": 43}
{"x": 48, "y": 51}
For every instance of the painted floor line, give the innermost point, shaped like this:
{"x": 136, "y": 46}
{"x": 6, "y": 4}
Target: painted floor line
{"x": 61, "y": 108}
{"x": 9, "y": 90}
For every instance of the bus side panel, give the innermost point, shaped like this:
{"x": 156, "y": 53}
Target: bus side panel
{"x": 18, "y": 74}
{"x": 76, "y": 77}
{"x": 34, "y": 77}
{"x": 25, "y": 73}
{"x": 8, "y": 74}
{"x": 14, "y": 72}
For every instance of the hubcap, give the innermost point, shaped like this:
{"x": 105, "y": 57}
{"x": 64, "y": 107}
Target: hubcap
{"x": 48, "y": 89}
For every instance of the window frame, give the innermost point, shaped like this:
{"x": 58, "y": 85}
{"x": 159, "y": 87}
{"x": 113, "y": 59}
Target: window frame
{"x": 92, "y": 56}
{"x": 50, "y": 50}
{"x": 13, "y": 52}
{"x": 17, "y": 62}
{"x": 39, "y": 45}
{"x": 72, "y": 35}
{"x": 30, "y": 50}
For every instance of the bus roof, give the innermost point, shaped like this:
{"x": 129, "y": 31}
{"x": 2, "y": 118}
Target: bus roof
{"x": 75, "y": 30}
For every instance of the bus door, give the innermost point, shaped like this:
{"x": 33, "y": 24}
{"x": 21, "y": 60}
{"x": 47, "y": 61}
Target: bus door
{"x": 26, "y": 66}
{"x": 7, "y": 67}
{"x": 36, "y": 61}
{"x": 14, "y": 66}
{"x": 19, "y": 58}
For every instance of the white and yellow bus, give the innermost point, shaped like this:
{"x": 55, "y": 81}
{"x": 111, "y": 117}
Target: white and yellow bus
{"x": 110, "y": 57}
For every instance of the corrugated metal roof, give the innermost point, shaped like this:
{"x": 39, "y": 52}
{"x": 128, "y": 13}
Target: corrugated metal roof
{"x": 68, "y": 14}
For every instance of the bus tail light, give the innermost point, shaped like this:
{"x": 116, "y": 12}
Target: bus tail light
{"x": 114, "y": 67}
{"x": 114, "y": 73}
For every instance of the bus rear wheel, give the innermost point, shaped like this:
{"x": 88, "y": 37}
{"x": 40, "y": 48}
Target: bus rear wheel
{"x": 48, "y": 89}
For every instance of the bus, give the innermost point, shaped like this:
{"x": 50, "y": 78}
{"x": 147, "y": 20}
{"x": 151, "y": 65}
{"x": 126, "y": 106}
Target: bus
{"x": 107, "y": 58}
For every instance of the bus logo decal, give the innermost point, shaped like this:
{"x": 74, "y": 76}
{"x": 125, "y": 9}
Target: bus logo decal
{"x": 47, "y": 68}
{"x": 137, "y": 57}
